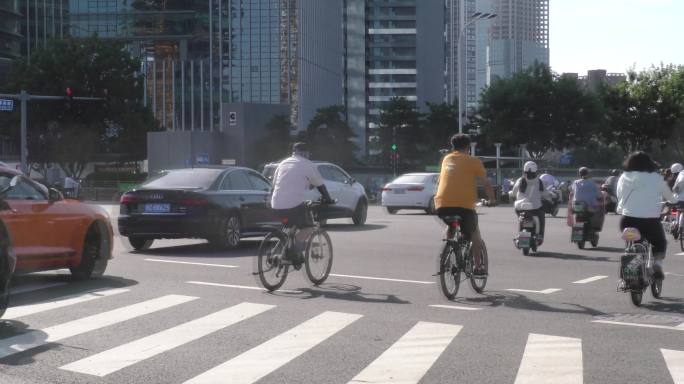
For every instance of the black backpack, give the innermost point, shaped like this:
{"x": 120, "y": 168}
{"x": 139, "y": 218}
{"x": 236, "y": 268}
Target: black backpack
{"x": 523, "y": 185}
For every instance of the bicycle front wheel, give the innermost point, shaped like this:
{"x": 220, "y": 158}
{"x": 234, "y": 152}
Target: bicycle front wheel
{"x": 318, "y": 257}
{"x": 478, "y": 282}
{"x": 449, "y": 272}
{"x": 681, "y": 239}
{"x": 272, "y": 271}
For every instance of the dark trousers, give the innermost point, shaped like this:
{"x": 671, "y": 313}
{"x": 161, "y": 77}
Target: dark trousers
{"x": 651, "y": 230}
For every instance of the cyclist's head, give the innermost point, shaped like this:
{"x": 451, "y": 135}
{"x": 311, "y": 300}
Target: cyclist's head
{"x": 530, "y": 170}
{"x": 676, "y": 168}
{"x": 300, "y": 149}
{"x": 584, "y": 172}
{"x": 460, "y": 142}
{"x": 640, "y": 162}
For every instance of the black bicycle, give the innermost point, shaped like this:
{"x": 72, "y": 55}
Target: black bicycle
{"x": 456, "y": 258}
{"x": 279, "y": 251}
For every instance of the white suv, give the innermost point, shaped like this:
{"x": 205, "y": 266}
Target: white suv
{"x": 351, "y": 196}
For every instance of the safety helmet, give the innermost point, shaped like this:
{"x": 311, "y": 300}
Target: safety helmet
{"x": 530, "y": 166}
{"x": 676, "y": 168}
{"x": 583, "y": 171}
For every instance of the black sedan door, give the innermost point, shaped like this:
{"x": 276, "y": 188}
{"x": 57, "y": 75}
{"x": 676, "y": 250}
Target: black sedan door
{"x": 239, "y": 191}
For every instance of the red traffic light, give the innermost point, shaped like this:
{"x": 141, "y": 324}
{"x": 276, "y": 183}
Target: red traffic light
{"x": 69, "y": 92}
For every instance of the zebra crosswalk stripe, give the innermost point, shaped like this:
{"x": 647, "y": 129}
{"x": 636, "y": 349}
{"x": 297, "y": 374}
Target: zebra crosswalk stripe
{"x": 407, "y": 360}
{"x": 32, "y": 309}
{"x": 675, "y": 364}
{"x": 551, "y": 359}
{"x": 33, "y": 339}
{"x": 263, "y": 359}
{"x": 126, "y": 355}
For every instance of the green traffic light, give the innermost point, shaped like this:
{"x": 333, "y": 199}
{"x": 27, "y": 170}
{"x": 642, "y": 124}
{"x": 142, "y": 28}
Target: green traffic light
{"x": 394, "y": 147}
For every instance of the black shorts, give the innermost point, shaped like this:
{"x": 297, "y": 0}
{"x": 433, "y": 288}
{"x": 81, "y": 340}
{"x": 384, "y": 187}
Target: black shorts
{"x": 298, "y": 216}
{"x": 468, "y": 218}
{"x": 651, "y": 230}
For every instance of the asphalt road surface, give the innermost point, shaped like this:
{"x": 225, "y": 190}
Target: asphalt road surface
{"x": 182, "y": 312}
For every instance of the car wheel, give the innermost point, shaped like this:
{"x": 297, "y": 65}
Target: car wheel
{"x": 93, "y": 259}
{"x": 431, "y": 206}
{"x": 140, "y": 243}
{"x": 230, "y": 232}
{"x": 391, "y": 211}
{"x": 360, "y": 213}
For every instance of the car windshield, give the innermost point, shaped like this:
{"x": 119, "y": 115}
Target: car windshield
{"x": 410, "y": 179}
{"x": 185, "y": 179}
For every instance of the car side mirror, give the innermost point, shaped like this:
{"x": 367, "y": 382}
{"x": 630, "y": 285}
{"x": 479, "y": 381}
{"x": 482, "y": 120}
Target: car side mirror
{"x": 351, "y": 181}
{"x": 15, "y": 180}
{"x": 54, "y": 195}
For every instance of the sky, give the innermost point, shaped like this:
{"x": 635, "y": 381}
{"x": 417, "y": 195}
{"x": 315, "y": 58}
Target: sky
{"x": 615, "y": 34}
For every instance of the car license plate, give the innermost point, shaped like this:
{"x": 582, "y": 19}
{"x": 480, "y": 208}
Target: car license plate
{"x": 399, "y": 191}
{"x": 157, "y": 208}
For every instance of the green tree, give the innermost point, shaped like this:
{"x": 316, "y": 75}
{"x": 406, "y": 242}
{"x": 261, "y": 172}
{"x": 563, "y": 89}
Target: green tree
{"x": 400, "y": 124}
{"x": 80, "y": 129}
{"x": 644, "y": 110}
{"x": 537, "y": 108}
{"x": 329, "y": 136}
{"x": 275, "y": 145}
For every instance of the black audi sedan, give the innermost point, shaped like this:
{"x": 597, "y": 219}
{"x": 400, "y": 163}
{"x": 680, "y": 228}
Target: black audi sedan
{"x": 221, "y": 205}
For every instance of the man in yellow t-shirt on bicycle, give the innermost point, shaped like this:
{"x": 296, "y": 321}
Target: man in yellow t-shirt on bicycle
{"x": 457, "y": 192}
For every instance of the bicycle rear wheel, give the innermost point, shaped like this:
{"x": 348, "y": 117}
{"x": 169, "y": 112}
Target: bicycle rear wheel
{"x": 272, "y": 251}
{"x": 319, "y": 256}
{"x": 449, "y": 272}
{"x": 478, "y": 282}
{"x": 681, "y": 238}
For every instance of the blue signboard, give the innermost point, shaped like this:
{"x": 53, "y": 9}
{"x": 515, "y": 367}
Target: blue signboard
{"x": 203, "y": 158}
{"x": 7, "y": 105}
{"x": 566, "y": 159}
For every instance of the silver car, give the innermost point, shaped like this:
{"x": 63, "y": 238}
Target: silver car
{"x": 352, "y": 201}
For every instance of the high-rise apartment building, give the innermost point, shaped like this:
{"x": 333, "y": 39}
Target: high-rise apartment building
{"x": 10, "y": 38}
{"x": 519, "y": 36}
{"x": 393, "y": 48}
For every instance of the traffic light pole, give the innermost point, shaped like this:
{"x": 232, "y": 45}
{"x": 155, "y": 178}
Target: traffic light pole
{"x": 24, "y": 97}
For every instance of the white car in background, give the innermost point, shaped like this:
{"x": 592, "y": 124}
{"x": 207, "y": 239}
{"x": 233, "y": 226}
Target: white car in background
{"x": 352, "y": 201}
{"x": 411, "y": 191}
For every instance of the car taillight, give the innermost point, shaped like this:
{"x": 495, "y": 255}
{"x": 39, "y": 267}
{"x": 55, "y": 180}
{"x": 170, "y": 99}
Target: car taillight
{"x": 385, "y": 189}
{"x": 128, "y": 199}
{"x": 193, "y": 201}
{"x": 415, "y": 189}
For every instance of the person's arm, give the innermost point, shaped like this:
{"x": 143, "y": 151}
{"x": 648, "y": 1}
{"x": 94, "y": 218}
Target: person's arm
{"x": 481, "y": 173}
{"x": 516, "y": 189}
{"x": 667, "y": 194}
{"x": 316, "y": 180}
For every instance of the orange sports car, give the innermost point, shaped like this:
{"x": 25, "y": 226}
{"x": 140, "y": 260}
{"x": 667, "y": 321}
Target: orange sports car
{"x": 40, "y": 230}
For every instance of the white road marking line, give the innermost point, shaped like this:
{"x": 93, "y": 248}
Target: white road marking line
{"x": 590, "y": 279}
{"x": 30, "y": 309}
{"x": 33, "y": 339}
{"x": 102, "y": 364}
{"x": 382, "y": 279}
{"x": 454, "y": 307}
{"x": 551, "y": 359}
{"x": 192, "y": 263}
{"x": 239, "y": 286}
{"x": 407, "y": 360}
{"x": 673, "y": 274}
{"x": 543, "y": 292}
{"x": 33, "y": 287}
{"x": 675, "y": 363}
{"x": 668, "y": 327}
{"x": 261, "y": 360}
{"x": 53, "y": 272}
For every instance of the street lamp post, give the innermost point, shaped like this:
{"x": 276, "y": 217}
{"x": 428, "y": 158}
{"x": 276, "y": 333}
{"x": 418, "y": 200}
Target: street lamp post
{"x": 475, "y": 17}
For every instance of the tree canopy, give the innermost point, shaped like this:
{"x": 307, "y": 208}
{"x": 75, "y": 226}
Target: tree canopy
{"x": 71, "y": 133}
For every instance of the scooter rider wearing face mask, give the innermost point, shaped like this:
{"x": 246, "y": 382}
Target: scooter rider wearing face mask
{"x": 528, "y": 191}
